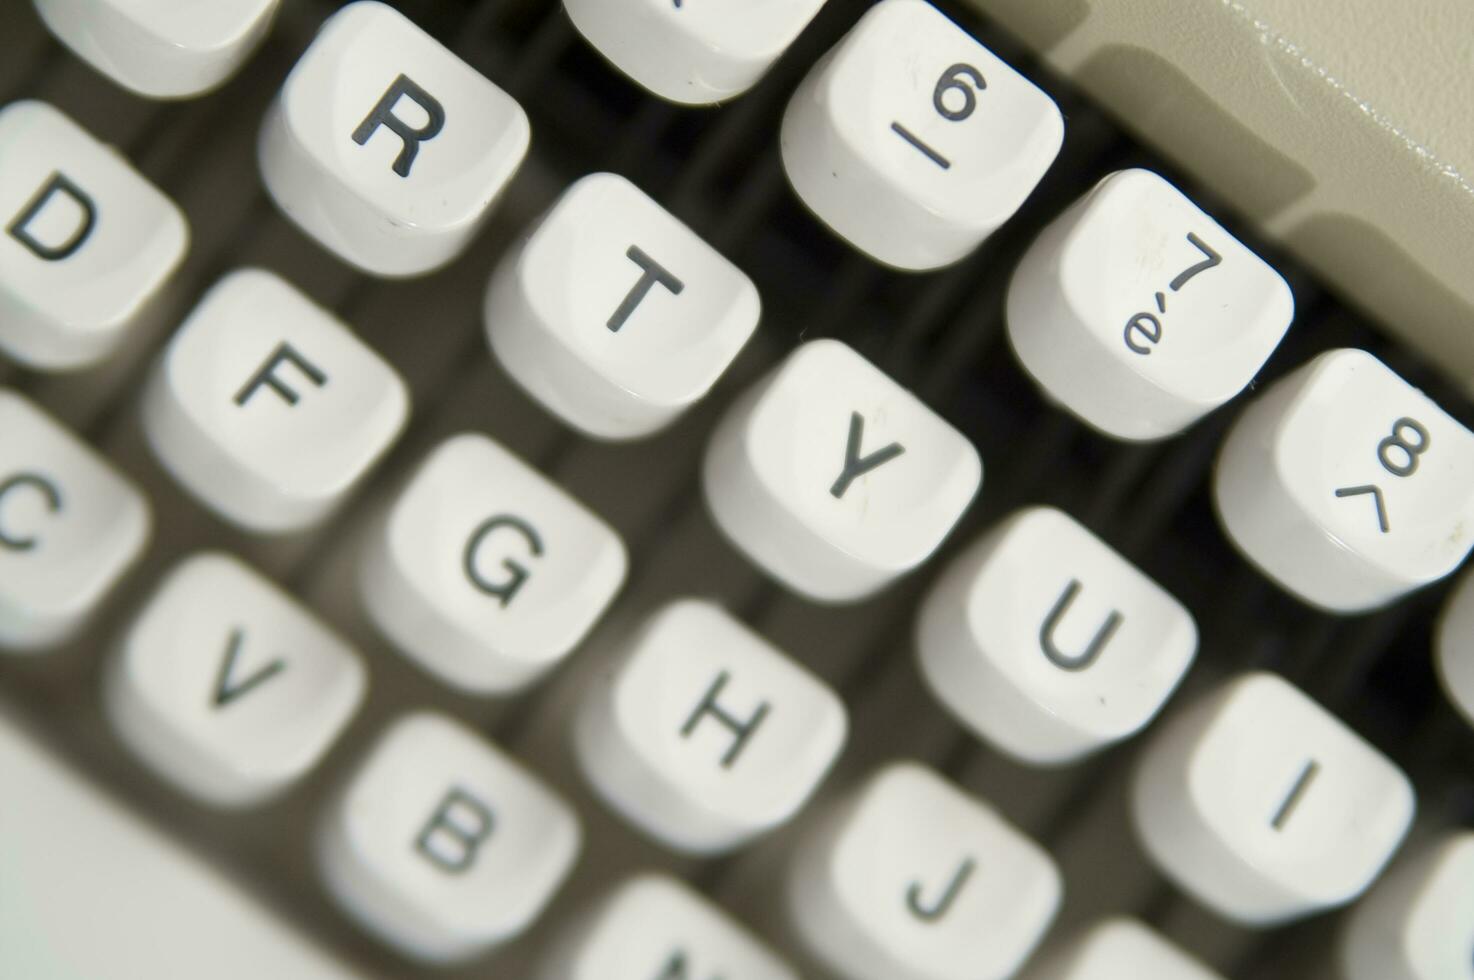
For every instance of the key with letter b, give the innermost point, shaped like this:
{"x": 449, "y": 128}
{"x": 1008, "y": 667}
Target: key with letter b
{"x": 386, "y": 147}
{"x": 1264, "y": 806}
{"x": 442, "y": 845}
{"x": 835, "y": 479}
{"x": 704, "y": 736}
{"x": 912, "y": 879}
{"x": 913, "y": 141}
{"x": 1347, "y": 485}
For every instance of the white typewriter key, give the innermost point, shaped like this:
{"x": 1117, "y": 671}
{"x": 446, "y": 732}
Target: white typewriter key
{"x": 704, "y": 736}
{"x": 656, "y": 928}
{"x": 914, "y": 142}
{"x": 1418, "y": 922}
{"x": 1264, "y": 806}
{"x": 1047, "y": 643}
{"x": 70, "y": 526}
{"x": 692, "y": 53}
{"x": 485, "y": 572}
{"x": 1454, "y": 647}
{"x": 835, "y": 479}
{"x": 1120, "y": 949}
{"x": 613, "y": 314}
{"x": 267, "y": 408}
{"x": 1139, "y": 313}
{"x": 226, "y": 687}
{"x": 162, "y": 49}
{"x": 442, "y": 845}
{"x": 386, "y": 147}
{"x": 912, "y": 879}
{"x": 85, "y": 241}
{"x": 1346, "y": 485}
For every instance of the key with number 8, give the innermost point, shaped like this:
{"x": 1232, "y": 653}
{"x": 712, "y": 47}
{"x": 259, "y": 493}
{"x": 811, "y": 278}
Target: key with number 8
{"x": 1347, "y": 485}
{"x": 914, "y": 142}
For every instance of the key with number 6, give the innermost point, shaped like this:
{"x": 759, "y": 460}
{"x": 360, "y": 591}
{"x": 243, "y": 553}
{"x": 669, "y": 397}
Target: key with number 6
{"x": 1347, "y": 485}
{"x": 914, "y": 142}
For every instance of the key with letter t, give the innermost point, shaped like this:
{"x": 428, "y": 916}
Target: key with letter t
{"x": 613, "y": 314}
{"x": 386, "y": 147}
{"x": 1264, "y": 806}
{"x": 1347, "y": 485}
{"x": 913, "y": 141}
{"x": 835, "y": 479}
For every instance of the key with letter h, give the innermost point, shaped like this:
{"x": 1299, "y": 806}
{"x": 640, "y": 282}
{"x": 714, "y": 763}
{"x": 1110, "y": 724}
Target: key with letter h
{"x": 1264, "y": 806}
{"x": 833, "y": 478}
{"x": 267, "y": 408}
{"x": 1047, "y": 643}
{"x": 226, "y": 687}
{"x": 443, "y": 846}
{"x": 613, "y": 314}
{"x": 912, "y": 879}
{"x": 706, "y": 736}
{"x": 386, "y": 147}
{"x": 85, "y": 241}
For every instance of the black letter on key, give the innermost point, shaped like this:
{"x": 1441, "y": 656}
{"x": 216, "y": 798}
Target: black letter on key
{"x": 743, "y": 730}
{"x": 58, "y": 184}
{"x": 383, "y": 115}
{"x": 675, "y": 967}
{"x": 1077, "y": 661}
{"x": 652, "y": 274}
{"x": 935, "y": 912}
{"x": 505, "y": 591}
{"x": 227, "y": 689}
{"x": 855, "y": 465}
{"x": 41, "y": 485}
{"x": 285, "y": 353}
{"x": 454, "y": 832}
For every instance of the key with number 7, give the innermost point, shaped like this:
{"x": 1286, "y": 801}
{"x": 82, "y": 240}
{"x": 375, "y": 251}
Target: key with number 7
{"x": 1347, "y": 485}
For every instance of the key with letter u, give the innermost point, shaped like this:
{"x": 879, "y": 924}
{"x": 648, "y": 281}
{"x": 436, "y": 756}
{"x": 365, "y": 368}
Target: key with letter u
{"x": 914, "y": 142}
{"x": 1264, "y": 806}
{"x": 386, "y": 147}
{"x": 833, "y": 478}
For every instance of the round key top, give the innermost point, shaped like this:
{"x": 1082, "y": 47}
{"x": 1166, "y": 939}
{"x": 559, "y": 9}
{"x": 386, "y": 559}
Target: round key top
{"x": 1346, "y": 485}
{"x": 1265, "y": 806}
{"x": 163, "y": 49}
{"x": 914, "y": 142}
{"x": 1139, "y": 313}
{"x": 385, "y": 146}
{"x": 1120, "y": 949}
{"x": 1418, "y": 922}
{"x": 696, "y": 52}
